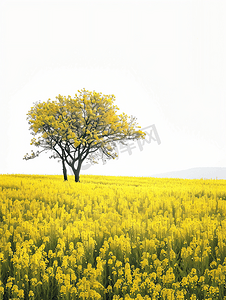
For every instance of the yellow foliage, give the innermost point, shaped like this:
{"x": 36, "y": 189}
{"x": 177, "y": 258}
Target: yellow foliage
{"x": 81, "y": 121}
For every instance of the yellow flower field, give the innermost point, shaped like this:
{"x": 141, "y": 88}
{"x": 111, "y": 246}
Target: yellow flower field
{"x": 112, "y": 238}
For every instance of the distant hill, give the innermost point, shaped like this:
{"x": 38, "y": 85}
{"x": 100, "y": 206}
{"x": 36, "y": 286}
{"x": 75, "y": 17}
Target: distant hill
{"x": 195, "y": 173}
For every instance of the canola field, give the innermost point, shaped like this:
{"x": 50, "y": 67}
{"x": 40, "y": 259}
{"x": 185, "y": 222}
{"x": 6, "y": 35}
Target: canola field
{"x": 112, "y": 238}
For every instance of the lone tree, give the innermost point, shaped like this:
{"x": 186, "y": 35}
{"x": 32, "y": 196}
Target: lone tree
{"x": 79, "y": 128}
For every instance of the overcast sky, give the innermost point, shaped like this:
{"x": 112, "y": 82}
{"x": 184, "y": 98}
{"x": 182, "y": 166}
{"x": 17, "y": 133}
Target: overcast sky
{"x": 164, "y": 61}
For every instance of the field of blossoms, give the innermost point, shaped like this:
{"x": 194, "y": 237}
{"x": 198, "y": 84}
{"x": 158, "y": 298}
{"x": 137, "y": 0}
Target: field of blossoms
{"x": 112, "y": 238}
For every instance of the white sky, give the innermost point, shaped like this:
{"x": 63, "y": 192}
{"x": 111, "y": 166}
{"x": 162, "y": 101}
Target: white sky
{"x": 164, "y": 61}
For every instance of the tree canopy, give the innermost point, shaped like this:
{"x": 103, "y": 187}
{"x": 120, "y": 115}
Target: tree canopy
{"x": 84, "y": 127}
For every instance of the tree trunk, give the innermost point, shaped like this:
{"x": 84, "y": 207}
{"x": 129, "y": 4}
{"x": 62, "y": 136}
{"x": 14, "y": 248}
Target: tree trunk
{"x": 77, "y": 176}
{"x": 64, "y": 170}
{"x": 76, "y": 173}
